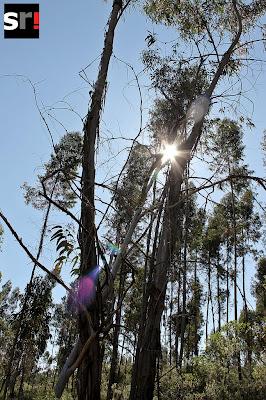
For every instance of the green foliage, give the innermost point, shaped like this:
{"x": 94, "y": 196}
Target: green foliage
{"x": 59, "y": 173}
{"x": 178, "y": 84}
{"x": 259, "y": 287}
{"x": 9, "y": 299}
{"x": 65, "y": 246}
{"x": 192, "y": 17}
{"x": 214, "y": 375}
{"x": 195, "y": 319}
{"x": 35, "y": 326}
{"x": 226, "y": 140}
{"x": 128, "y": 193}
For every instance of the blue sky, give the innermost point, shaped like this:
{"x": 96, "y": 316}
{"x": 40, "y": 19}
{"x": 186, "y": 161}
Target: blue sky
{"x": 71, "y": 37}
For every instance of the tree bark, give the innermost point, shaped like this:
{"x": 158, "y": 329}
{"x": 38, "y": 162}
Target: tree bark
{"x": 113, "y": 376}
{"x": 184, "y": 290}
{"x": 148, "y": 352}
{"x": 89, "y": 373}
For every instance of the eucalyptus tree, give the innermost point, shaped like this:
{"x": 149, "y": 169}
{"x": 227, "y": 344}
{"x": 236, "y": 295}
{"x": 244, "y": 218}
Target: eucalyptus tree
{"x": 196, "y": 22}
{"x": 34, "y": 333}
{"x": 53, "y": 188}
{"x": 225, "y": 145}
{"x": 87, "y": 353}
{"x": 9, "y": 299}
{"x": 189, "y": 316}
{"x": 259, "y": 287}
{"x": 125, "y": 302}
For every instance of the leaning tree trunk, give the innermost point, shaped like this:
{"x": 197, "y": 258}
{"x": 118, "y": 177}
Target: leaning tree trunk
{"x": 148, "y": 352}
{"x": 89, "y": 373}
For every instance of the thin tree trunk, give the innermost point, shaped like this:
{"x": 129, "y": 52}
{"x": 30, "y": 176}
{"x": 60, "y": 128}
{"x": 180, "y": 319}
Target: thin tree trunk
{"x": 249, "y": 338}
{"x": 235, "y": 248}
{"x": 24, "y": 305}
{"x": 218, "y": 293}
{"x": 177, "y": 320}
{"x": 113, "y": 376}
{"x": 208, "y": 299}
{"x": 244, "y": 289}
{"x": 212, "y": 307}
{"x": 196, "y": 326}
{"x": 184, "y": 289}
{"x": 170, "y": 324}
{"x": 227, "y": 283}
{"x": 235, "y": 269}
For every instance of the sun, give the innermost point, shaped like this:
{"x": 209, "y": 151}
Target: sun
{"x": 169, "y": 152}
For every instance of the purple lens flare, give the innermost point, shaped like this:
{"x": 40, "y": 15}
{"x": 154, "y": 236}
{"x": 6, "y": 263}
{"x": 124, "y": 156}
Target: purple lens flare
{"x": 84, "y": 290}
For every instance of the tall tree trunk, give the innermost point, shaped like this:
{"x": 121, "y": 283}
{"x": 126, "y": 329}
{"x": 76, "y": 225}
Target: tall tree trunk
{"x": 244, "y": 288}
{"x": 235, "y": 269}
{"x": 170, "y": 324}
{"x": 246, "y": 318}
{"x": 184, "y": 289}
{"x": 227, "y": 282}
{"x": 196, "y": 320}
{"x": 218, "y": 292}
{"x": 208, "y": 299}
{"x": 89, "y": 373}
{"x": 148, "y": 352}
{"x": 113, "y": 376}
{"x": 235, "y": 247}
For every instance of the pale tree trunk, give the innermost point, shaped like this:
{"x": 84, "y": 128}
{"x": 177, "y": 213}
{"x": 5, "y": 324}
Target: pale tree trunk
{"x": 246, "y": 317}
{"x": 184, "y": 289}
{"x": 208, "y": 299}
{"x": 227, "y": 282}
{"x": 196, "y": 323}
{"x": 218, "y": 293}
{"x": 114, "y": 376}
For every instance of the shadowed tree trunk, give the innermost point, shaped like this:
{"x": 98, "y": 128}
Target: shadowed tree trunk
{"x": 148, "y": 352}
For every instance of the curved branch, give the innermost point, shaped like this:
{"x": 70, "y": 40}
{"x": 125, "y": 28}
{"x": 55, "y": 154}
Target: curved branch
{"x": 30, "y": 255}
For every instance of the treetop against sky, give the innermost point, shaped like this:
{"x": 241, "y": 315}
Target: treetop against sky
{"x": 54, "y": 64}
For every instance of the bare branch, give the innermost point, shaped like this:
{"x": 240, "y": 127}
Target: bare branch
{"x": 30, "y": 255}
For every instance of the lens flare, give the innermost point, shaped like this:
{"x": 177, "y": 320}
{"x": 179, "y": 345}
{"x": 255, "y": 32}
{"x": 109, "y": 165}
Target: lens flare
{"x": 169, "y": 152}
{"x": 114, "y": 249}
{"x": 84, "y": 290}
